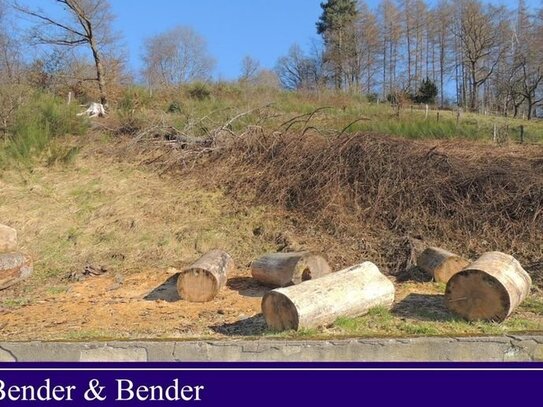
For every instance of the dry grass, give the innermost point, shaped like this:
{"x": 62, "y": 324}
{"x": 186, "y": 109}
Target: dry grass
{"x": 106, "y": 209}
{"x": 103, "y": 212}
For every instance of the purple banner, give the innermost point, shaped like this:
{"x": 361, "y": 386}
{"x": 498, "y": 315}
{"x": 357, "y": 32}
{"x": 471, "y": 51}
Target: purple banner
{"x": 270, "y": 384}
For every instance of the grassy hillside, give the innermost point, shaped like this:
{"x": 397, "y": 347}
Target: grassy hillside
{"x": 164, "y": 178}
{"x": 201, "y": 107}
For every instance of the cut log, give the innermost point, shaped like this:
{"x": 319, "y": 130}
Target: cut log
{"x": 14, "y": 267}
{"x": 348, "y": 293}
{"x": 286, "y": 269}
{"x": 202, "y": 281}
{"x": 8, "y": 239}
{"x": 441, "y": 264}
{"x": 489, "y": 289}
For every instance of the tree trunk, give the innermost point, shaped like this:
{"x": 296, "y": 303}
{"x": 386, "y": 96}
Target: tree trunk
{"x": 202, "y": 281}
{"x": 441, "y": 264}
{"x": 14, "y": 267}
{"x": 385, "y": 47}
{"x": 8, "y": 239}
{"x": 408, "y": 38}
{"x": 100, "y": 75}
{"x": 442, "y": 74}
{"x": 348, "y": 293}
{"x": 286, "y": 269}
{"x": 474, "y": 88}
{"x": 530, "y": 103}
{"x": 489, "y": 289}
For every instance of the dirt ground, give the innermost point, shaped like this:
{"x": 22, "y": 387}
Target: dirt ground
{"x": 140, "y": 306}
{"x": 140, "y": 227}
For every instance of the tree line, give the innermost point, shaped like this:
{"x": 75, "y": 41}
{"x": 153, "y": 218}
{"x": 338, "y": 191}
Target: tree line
{"x": 466, "y": 53}
{"x": 489, "y": 57}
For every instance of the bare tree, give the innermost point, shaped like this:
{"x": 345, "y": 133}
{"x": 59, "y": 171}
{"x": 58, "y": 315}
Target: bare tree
{"x": 390, "y": 39}
{"x": 480, "y": 37}
{"x": 297, "y": 70}
{"x": 368, "y": 44}
{"x": 250, "y": 68}
{"x": 10, "y": 49}
{"x": 84, "y": 23}
{"x": 443, "y": 15}
{"x": 267, "y": 78}
{"x": 175, "y": 57}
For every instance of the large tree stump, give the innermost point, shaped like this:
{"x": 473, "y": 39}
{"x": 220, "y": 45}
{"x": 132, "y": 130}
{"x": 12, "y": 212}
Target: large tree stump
{"x": 348, "y": 293}
{"x": 202, "y": 281}
{"x": 286, "y": 269}
{"x": 94, "y": 110}
{"x": 489, "y": 289}
{"x": 441, "y": 264}
{"x": 8, "y": 239}
{"x": 14, "y": 267}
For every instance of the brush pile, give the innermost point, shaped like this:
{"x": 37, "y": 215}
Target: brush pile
{"x": 473, "y": 196}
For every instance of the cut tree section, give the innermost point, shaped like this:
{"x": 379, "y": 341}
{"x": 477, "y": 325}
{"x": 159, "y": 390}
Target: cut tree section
{"x": 8, "y": 239}
{"x": 286, "y": 269}
{"x": 490, "y": 289}
{"x": 441, "y": 264}
{"x": 202, "y": 281}
{"x": 348, "y": 293}
{"x": 14, "y": 267}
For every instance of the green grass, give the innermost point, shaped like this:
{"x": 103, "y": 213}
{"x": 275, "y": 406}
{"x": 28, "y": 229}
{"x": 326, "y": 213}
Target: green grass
{"x": 57, "y": 290}
{"x": 534, "y": 305}
{"x": 90, "y": 334}
{"x": 14, "y": 303}
{"x": 35, "y": 125}
{"x": 382, "y": 322}
{"x": 270, "y": 108}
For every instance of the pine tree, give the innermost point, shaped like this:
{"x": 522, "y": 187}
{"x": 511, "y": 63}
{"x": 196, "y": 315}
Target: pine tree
{"x": 427, "y": 92}
{"x": 337, "y": 27}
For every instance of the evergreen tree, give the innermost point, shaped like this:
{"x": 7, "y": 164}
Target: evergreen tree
{"x": 338, "y": 29}
{"x": 427, "y": 92}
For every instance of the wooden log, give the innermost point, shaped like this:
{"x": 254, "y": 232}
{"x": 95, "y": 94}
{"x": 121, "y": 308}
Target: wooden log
{"x": 202, "y": 281}
{"x": 348, "y": 293}
{"x": 286, "y": 269}
{"x": 489, "y": 289}
{"x": 441, "y": 264}
{"x": 14, "y": 267}
{"x": 8, "y": 239}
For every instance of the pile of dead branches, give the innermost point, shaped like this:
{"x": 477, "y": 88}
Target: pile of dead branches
{"x": 473, "y": 195}
{"x": 470, "y": 196}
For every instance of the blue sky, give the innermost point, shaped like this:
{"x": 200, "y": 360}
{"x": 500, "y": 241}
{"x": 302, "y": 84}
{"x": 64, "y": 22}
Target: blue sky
{"x": 263, "y": 29}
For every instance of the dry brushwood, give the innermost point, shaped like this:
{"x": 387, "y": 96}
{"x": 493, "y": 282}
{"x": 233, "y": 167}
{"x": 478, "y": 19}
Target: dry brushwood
{"x": 355, "y": 184}
{"x": 88, "y": 271}
{"x": 452, "y": 189}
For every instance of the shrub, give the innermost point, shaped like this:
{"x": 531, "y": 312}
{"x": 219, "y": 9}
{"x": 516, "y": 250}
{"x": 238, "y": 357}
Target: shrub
{"x": 36, "y": 123}
{"x": 174, "y": 107}
{"x": 199, "y": 91}
{"x": 134, "y": 98}
{"x": 372, "y": 97}
{"x": 427, "y": 92}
